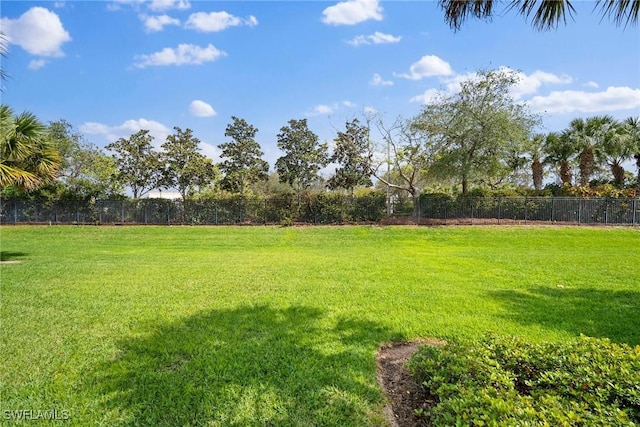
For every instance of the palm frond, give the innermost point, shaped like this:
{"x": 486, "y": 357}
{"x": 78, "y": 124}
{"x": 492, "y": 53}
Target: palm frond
{"x": 456, "y": 11}
{"x": 620, "y": 11}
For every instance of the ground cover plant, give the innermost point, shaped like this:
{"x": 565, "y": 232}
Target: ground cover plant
{"x": 508, "y": 381}
{"x": 279, "y": 325}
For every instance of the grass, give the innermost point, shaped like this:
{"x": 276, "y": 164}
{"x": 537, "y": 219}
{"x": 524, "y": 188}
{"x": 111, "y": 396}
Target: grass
{"x": 279, "y": 326}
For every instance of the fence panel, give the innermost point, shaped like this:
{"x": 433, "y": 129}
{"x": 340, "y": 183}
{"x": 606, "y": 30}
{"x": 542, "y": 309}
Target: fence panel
{"x": 325, "y": 208}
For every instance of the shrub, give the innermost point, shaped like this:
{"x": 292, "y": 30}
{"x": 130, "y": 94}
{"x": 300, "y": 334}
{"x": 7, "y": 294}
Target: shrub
{"x": 508, "y": 381}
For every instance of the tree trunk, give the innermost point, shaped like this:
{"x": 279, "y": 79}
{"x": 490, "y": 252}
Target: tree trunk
{"x": 586, "y": 165}
{"x": 537, "y": 172}
{"x": 465, "y": 186}
{"x": 565, "y": 172}
{"x": 637, "y": 156}
{"x": 618, "y": 173}
{"x": 415, "y": 198}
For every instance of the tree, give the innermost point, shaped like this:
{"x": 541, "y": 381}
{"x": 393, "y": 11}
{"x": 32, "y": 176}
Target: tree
{"x": 546, "y": 14}
{"x": 304, "y": 156}
{"x": 535, "y": 152}
{"x": 632, "y": 128}
{"x": 560, "y": 149}
{"x": 243, "y": 164}
{"x": 583, "y": 134}
{"x": 85, "y": 172}
{"x": 411, "y": 154}
{"x": 185, "y": 168}
{"x": 139, "y": 165}
{"x": 478, "y": 128}
{"x": 617, "y": 146}
{"x": 354, "y": 157}
{"x": 28, "y": 158}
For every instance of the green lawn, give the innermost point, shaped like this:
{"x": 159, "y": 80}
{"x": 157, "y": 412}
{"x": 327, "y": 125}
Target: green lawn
{"x": 279, "y": 326}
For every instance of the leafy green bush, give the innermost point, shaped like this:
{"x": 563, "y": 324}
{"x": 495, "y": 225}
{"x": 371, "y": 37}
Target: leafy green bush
{"x": 508, "y": 381}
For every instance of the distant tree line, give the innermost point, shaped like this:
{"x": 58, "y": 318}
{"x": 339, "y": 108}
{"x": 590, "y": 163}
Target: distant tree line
{"x": 474, "y": 141}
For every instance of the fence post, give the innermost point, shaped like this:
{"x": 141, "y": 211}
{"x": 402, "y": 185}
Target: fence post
{"x": 553, "y": 205}
{"x": 525, "y": 210}
{"x": 98, "y": 203}
{"x": 499, "y": 209}
{"x": 579, "y": 211}
{"x": 635, "y": 207}
{"x": 15, "y": 212}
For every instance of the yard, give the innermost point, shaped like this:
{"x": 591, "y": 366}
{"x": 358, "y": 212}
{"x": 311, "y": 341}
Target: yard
{"x": 279, "y": 325}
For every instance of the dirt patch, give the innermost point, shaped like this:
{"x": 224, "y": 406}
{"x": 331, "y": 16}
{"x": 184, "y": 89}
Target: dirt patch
{"x": 403, "y": 393}
{"x": 11, "y": 261}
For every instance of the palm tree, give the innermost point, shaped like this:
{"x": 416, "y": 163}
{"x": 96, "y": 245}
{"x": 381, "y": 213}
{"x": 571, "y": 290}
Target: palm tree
{"x": 579, "y": 132}
{"x": 632, "y": 128}
{"x": 535, "y": 152}
{"x": 546, "y": 14}
{"x": 28, "y": 159}
{"x": 560, "y": 150}
{"x": 617, "y": 147}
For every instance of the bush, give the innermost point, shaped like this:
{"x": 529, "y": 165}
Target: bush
{"x": 508, "y": 381}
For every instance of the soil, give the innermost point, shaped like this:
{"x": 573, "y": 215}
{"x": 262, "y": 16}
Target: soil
{"x": 404, "y": 395}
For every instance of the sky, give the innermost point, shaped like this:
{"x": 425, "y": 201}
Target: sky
{"x": 111, "y": 68}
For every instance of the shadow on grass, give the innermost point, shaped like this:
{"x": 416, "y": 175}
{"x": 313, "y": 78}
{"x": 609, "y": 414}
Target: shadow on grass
{"x": 247, "y": 366}
{"x": 11, "y": 256}
{"x": 592, "y": 312}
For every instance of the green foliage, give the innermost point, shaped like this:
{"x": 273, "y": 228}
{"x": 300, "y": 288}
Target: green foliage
{"x": 354, "y": 157}
{"x": 28, "y": 157}
{"x": 138, "y": 163}
{"x": 86, "y": 171}
{"x": 185, "y": 167}
{"x": 509, "y": 381}
{"x": 243, "y": 164}
{"x": 478, "y": 129}
{"x": 303, "y": 158}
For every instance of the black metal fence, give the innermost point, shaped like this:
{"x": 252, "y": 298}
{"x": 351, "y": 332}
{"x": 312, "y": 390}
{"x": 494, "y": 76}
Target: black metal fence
{"x": 327, "y": 209}
{"x": 570, "y": 210}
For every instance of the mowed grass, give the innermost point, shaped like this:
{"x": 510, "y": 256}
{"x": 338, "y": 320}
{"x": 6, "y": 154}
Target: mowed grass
{"x": 279, "y": 326}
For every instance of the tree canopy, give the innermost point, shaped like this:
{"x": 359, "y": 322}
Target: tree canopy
{"x": 477, "y": 129}
{"x": 243, "y": 164}
{"x": 28, "y": 157}
{"x": 138, "y": 163}
{"x": 303, "y": 155}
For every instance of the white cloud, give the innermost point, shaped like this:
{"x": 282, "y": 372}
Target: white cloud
{"x": 377, "y": 80}
{"x": 157, "y": 23}
{"x": 162, "y": 5}
{"x": 126, "y": 129}
{"x": 352, "y": 12}
{"x": 428, "y": 96}
{"x": 36, "y": 64}
{"x": 375, "y": 38}
{"x": 38, "y": 31}
{"x": 319, "y": 110}
{"x": 217, "y": 21}
{"x": 370, "y": 110}
{"x": 592, "y": 84}
{"x": 571, "y": 101}
{"x": 200, "y": 108}
{"x": 182, "y": 55}
{"x": 529, "y": 84}
{"x": 427, "y": 66}
{"x": 348, "y": 104}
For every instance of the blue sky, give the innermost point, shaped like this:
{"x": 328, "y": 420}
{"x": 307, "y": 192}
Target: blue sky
{"x": 112, "y": 68}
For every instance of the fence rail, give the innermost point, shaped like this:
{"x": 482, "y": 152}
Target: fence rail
{"x": 327, "y": 209}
